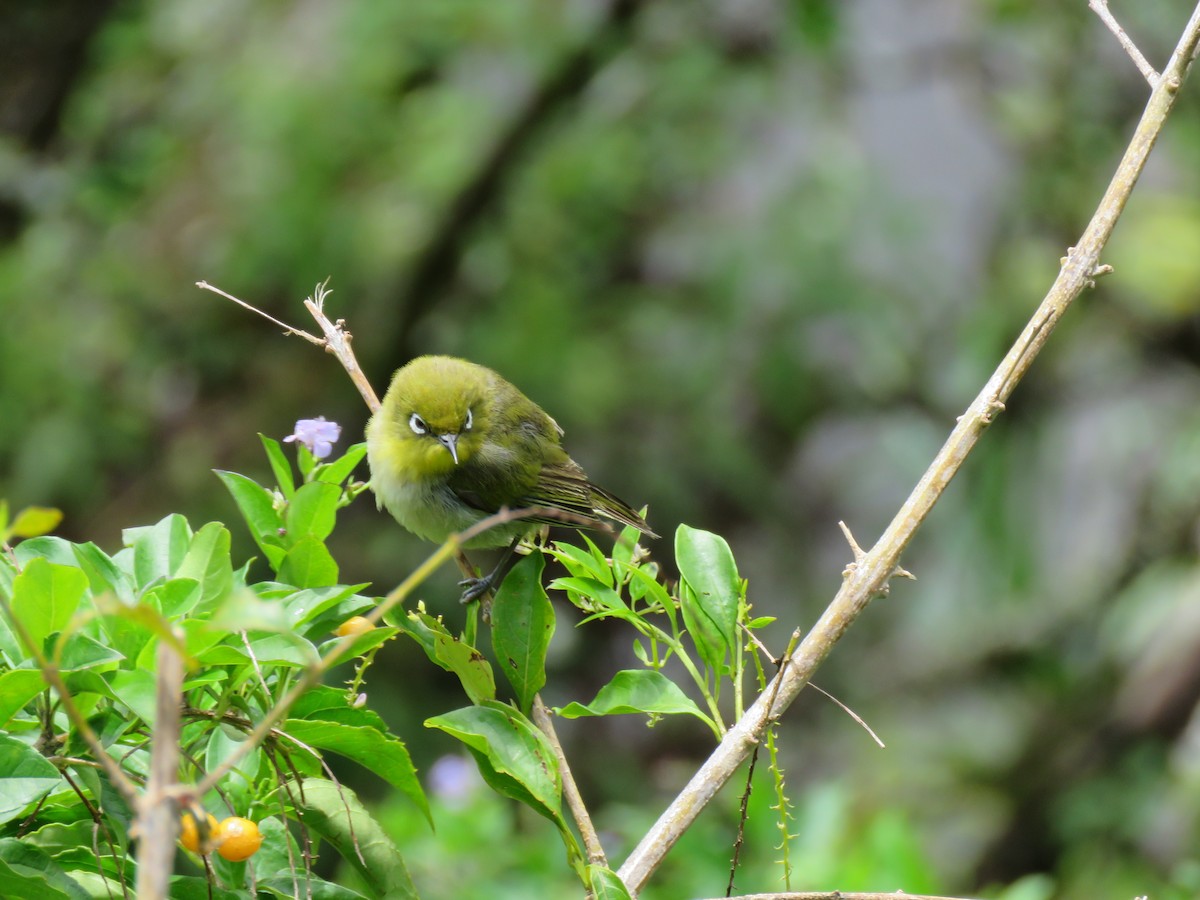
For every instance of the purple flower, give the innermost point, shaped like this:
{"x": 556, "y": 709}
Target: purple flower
{"x": 317, "y": 435}
{"x": 453, "y": 778}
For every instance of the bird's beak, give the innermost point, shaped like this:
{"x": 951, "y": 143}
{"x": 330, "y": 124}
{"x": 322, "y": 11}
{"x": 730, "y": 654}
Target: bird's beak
{"x": 450, "y": 441}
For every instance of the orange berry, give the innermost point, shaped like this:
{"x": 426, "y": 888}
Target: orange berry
{"x": 189, "y": 833}
{"x": 354, "y": 625}
{"x": 238, "y": 838}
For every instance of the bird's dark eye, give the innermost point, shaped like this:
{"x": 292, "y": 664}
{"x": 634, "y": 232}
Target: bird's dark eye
{"x": 467, "y": 424}
{"x": 417, "y": 424}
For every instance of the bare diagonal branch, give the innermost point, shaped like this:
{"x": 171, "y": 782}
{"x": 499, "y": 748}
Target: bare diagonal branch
{"x": 869, "y": 577}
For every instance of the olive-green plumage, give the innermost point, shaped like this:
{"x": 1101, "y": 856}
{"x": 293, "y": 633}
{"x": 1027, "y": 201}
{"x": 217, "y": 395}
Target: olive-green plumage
{"x": 453, "y": 443}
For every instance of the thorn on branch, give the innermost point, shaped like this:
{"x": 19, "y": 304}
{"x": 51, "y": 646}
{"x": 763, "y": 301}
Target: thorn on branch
{"x": 860, "y": 555}
{"x": 1097, "y": 272}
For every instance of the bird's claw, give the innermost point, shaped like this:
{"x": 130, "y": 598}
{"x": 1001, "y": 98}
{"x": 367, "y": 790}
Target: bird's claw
{"x": 474, "y": 588}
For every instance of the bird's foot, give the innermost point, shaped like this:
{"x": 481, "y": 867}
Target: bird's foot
{"x": 474, "y": 588}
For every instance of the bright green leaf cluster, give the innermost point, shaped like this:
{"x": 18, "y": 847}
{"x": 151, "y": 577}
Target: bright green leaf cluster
{"x": 701, "y": 623}
{"x": 89, "y": 622}
{"x": 97, "y": 619}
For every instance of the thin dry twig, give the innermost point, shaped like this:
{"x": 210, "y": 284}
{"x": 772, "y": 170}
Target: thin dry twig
{"x": 287, "y": 329}
{"x": 1100, "y": 8}
{"x": 336, "y": 341}
{"x": 870, "y": 575}
{"x": 852, "y": 714}
{"x": 583, "y": 820}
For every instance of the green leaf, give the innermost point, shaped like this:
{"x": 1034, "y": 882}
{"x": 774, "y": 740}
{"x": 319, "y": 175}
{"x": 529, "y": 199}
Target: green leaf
{"x": 627, "y": 540}
{"x": 453, "y": 655}
{"x": 70, "y": 843}
{"x": 363, "y": 643}
{"x": 208, "y": 562}
{"x": 305, "y": 461}
{"x": 327, "y": 704}
{"x": 25, "y": 777}
{"x": 305, "y": 605}
{"x": 713, "y": 590}
{"x": 104, "y": 575}
{"x": 237, "y": 786}
{"x": 86, "y": 681}
{"x": 84, "y": 652}
{"x": 383, "y": 754}
{"x": 45, "y": 596}
{"x": 30, "y": 873}
{"x": 17, "y": 688}
{"x": 257, "y": 506}
{"x": 190, "y": 887}
{"x": 339, "y": 470}
{"x": 34, "y": 521}
{"x": 135, "y": 688}
{"x": 302, "y": 884}
{"x": 274, "y": 649}
{"x": 308, "y": 564}
{"x": 199, "y": 637}
{"x": 513, "y": 756}
{"x": 582, "y": 563}
{"x": 606, "y": 885}
{"x": 159, "y": 549}
{"x": 280, "y": 467}
{"x": 245, "y": 611}
{"x": 522, "y": 625}
{"x": 312, "y": 512}
{"x": 130, "y": 627}
{"x": 50, "y": 548}
{"x": 336, "y": 814}
{"x": 173, "y": 598}
{"x": 636, "y": 691}
{"x": 595, "y": 594}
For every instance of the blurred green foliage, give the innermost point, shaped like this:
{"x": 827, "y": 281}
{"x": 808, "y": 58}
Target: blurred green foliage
{"x": 755, "y": 260}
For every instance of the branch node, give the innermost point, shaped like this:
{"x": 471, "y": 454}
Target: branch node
{"x": 988, "y": 416}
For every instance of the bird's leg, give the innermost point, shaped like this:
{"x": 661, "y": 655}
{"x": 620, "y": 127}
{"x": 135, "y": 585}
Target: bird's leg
{"x": 474, "y": 588}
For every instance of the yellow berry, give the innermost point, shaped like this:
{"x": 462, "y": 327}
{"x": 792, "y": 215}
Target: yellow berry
{"x": 354, "y": 625}
{"x": 189, "y": 833}
{"x": 238, "y": 838}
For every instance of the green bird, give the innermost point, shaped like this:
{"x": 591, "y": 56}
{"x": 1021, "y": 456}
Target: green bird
{"x": 453, "y": 443}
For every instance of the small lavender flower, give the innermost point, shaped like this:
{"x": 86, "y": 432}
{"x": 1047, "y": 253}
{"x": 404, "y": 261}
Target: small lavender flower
{"x": 453, "y": 778}
{"x": 317, "y": 435}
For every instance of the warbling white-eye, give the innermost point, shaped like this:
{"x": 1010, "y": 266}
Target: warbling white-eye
{"x": 453, "y": 443}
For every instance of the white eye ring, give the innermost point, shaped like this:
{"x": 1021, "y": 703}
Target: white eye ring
{"x": 417, "y": 424}
{"x": 467, "y": 424}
